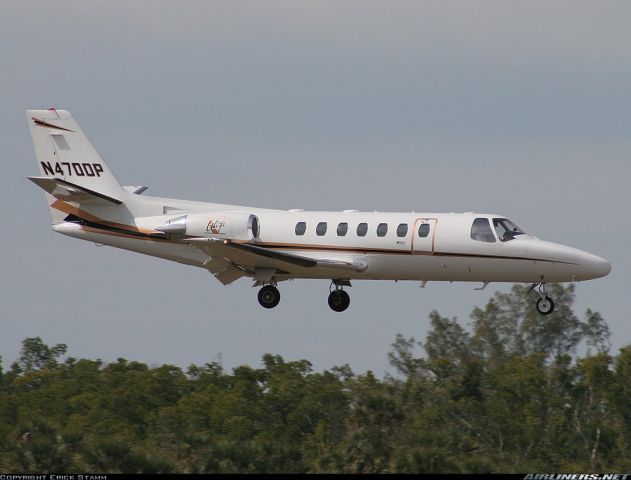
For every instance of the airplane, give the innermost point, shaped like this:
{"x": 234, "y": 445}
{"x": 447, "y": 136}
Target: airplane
{"x": 86, "y": 201}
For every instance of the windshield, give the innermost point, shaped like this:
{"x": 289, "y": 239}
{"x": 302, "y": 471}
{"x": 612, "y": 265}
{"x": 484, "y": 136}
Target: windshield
{"x": 506, "y": 230}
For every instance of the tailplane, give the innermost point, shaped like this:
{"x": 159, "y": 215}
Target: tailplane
{"x": 71, "y": 169}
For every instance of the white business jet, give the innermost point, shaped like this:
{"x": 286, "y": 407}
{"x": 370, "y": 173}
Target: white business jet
{"x": 87, "y": 202}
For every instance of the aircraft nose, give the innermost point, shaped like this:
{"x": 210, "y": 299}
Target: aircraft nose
{"x": 581, "y": 265}
{"x": 594, "y": 266}
{"x": 601, "y": 267}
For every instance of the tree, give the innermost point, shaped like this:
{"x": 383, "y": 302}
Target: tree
{"x": 514, "y": 392}
{"x": 36, "y": 355}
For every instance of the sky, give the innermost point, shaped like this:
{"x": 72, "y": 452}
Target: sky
{"x": 516, "y": 108}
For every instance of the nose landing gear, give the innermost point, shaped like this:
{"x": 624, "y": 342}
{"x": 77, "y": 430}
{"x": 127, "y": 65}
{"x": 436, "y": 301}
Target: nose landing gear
{"x": 339, "y": 300}
{"x": 545, "y": 305}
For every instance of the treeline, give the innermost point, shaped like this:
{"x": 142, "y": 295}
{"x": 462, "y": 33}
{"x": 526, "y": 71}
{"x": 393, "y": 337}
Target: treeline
{"x": 512, "y": 392}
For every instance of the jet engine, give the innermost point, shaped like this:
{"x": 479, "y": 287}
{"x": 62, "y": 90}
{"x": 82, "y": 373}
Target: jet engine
{"x": 228, "y": 225}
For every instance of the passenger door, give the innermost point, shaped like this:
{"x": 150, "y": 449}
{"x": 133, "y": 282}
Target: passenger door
{"x": 423, "y": 235}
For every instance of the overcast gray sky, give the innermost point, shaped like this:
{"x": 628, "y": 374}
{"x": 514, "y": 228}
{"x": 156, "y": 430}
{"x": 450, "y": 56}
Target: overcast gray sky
{"x": 523, "y": 109}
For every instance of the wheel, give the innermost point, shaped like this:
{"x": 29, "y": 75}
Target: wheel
{"x": 545, "y": 306}
{"x": 269, "y": 296}
{"x": 339, "y": 300}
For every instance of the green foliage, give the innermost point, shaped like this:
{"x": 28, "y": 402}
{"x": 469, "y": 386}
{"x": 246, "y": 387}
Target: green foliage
{"x": 510, "y": 394}
{"x": 35, "y": 355}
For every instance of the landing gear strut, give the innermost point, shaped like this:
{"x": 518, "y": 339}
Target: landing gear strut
{"x": 545, "y": 305}
{"x": 269, "y": 296}
{"x": 338, "y": 298}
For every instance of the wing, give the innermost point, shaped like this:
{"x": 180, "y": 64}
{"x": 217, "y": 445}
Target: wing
{"x": 231, "y": 260}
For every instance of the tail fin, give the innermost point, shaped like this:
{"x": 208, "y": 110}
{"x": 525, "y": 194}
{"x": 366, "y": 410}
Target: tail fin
{"x": 66, "y": 155}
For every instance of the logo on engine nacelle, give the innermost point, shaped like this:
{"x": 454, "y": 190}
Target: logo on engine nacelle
{"x": 215, "y": 225}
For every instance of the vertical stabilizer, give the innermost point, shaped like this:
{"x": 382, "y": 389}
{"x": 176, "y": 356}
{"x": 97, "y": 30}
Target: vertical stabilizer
{"x": 65, "y": 153}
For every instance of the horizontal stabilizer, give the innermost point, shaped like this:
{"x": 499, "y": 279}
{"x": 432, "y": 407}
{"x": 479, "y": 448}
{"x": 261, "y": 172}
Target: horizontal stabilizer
{"x": 137, "y": 189}
{"x": 69, "y": 192}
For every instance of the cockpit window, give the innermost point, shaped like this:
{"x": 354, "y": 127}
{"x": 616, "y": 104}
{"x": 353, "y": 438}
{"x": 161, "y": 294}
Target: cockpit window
{"x": 481, "y": 230}
{"x": 506, "y": 230}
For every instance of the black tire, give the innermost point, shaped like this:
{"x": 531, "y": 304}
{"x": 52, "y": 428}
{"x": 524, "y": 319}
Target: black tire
{"x": 545, "y": 306}
{"x": 339, "y": 300}
{"x": 269, "y": 296}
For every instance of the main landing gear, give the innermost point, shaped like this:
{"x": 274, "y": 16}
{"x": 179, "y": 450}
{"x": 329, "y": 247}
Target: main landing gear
{"x": 545, "y": 305}
{"x": 269, "y": 296}
{"x": 338, "y": 298}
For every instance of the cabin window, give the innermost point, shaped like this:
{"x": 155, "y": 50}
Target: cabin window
{"x": 382, "y": 229}
{"x": 481, "y": 230}
{"x": 342, "y": 228}
{"x": 423, "y": 230}
{"x": 402, "y": 230}
{"x": 321, "y": 229}
{"x": 301, "y": 228}
{"x": 506, "y": 230}
{"x": 362, "y": 229}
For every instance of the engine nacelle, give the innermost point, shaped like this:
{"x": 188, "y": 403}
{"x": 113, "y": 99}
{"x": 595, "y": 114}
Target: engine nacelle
{"x": 228, "y": 225}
